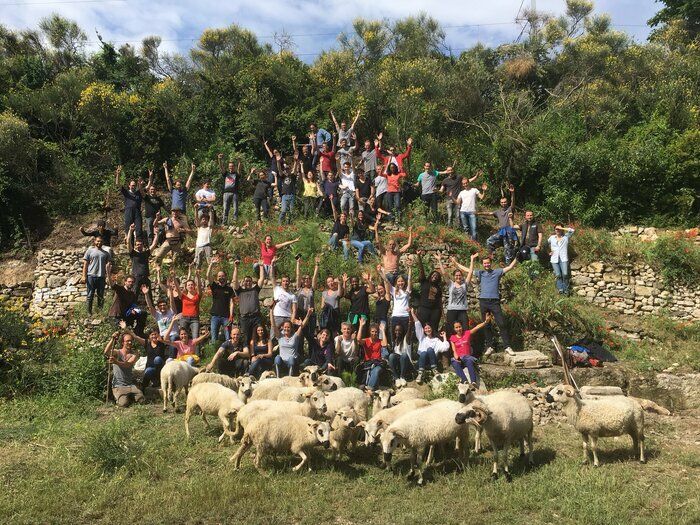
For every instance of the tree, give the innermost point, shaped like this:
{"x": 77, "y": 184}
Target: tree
{"x": 686, "y": 10}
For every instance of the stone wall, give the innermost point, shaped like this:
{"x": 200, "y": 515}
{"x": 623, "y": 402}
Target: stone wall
{"x": 634, "y": 289}
{"x": 56, "y": 291}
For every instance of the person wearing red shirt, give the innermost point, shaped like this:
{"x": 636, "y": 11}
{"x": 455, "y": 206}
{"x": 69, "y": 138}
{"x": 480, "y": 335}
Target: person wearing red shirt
{"x": 392, "y": 157}
{"x": 393, "y": 178}
{"x": 190, "y": 305}
{"x": 460, "y": 342}
{"x": 371, "y": 348}
{"x": 268, "y": 251}
{"x": 327, "y": 156}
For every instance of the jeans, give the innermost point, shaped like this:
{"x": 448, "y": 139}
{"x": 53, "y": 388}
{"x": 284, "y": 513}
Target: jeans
{"x": 429, "y": 316}
{"x": 152, "y": 373}
{"x": 428, "y": 357}
{"x": 95, "y": 284}
{"x": 286, "y": 209}
{"x": 248, "y": 323}
{"x": 431, "y": 200}
{"x": 266, "y": 270}
{"x": 327, "y": 204}
{"x": 373, "y": 377}
{"x": 470, "y": 362}
{"x": 395, "y": 203}
{"x": 468, "y": 220}
{"x": 133, "y": 216}
{"x": 230, "y": 199}
{"x": 218, "y": 322}
{"x": 261, "y": 207}
{"x": 362, "y": 247}
{"x": 452, "y": 211}
{"x": 289, "y": 365}
{"x": 347, "y": 200}
{"x": 561, "y": 271}
{"x": 333, "y": 243}
{"x": 309, "y": 206}
{"x": 506, "y": 237}
{"x": 259, "y": 366}
{"x": 401, "y": 366}
{"x": 190, "y": 323}
{"x": 493, "y": 306}
{"x": 149, "y": 229}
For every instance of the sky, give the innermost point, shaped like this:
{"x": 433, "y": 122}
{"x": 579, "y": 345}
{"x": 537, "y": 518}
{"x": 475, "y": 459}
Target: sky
{"x": 313, "y": 24}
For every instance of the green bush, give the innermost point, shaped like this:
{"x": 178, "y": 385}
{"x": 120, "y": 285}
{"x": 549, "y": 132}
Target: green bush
{"x": 111, "y": 448}
{"x": 676, "y": 258}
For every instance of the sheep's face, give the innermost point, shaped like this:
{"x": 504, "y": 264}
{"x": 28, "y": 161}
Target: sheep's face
{"x": 384, "y": 397}
{"x": 325, "y": 383}
{"x": 345, "y": 417}
{"x": 466, "y": 392}
{"x": 245, "y": 385}
{"x": 322, "y": 432}
{"x": 389, "y": 442}
{"x": 373, "y": 431}
{"x": 268, "y": 374}
{"x": 318, "y": 401}
{"x": 312, "y": 371}
{"x": 465, "y": 415}
{"x": 559, "y": 393}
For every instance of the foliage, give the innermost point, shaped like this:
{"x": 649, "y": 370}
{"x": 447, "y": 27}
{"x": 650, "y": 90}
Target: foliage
{"x": 677, "y": 258}
{"x": 112, "y": 449}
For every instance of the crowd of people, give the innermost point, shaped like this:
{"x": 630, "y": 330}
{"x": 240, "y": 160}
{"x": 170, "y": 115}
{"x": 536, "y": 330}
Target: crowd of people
{"x": 365, "y": 324}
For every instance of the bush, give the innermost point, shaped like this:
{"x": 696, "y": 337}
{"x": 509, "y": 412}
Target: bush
{"x": 112, "y": 450}
{"x": 676, "y": 258}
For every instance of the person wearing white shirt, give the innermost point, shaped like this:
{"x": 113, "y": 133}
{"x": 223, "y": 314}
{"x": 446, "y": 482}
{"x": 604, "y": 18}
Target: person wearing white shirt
{"x": 285, "y": 301}
{"x": 559, "y": 256}
{"x": 429, "y": 346}
{"x": 205, "y": 199}
{"x": 467, "y": 206}
{"x": 347, "y": 189}
{"x": 203, "y": 245}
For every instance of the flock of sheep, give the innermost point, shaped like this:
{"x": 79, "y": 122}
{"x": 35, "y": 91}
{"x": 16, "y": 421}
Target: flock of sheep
{"x": 293, "y": 414}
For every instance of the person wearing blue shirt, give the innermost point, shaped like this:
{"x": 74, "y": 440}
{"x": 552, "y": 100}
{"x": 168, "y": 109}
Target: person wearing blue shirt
{"x": 178, "y": 193}
{"x": 318, "y": 136}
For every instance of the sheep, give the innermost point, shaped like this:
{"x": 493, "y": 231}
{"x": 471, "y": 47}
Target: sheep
{"x": 303, "y": 379}
{"x": 507, "y": 418}
{"x": 466, "y": 395}
{"x": 213, "y": 399}
{"x": 242, "y": 385}
{"x": 426, "y": 427}
{"x": 405, "y": 394}
{"x": 383, "y": 418}
{"x": 338, "y": 382}
{"x": 604, "y": 417}
{"x": 268, "y": 389}
{"x": 295, "y": 393}
{"x": 348, "y": 397}
{"x": 343, "y": 430}
{"x": 380, "y": 400}
{"x": 175, "y": 376}
{"x": 268, "y": 374}
{"x": 282, "y": 432}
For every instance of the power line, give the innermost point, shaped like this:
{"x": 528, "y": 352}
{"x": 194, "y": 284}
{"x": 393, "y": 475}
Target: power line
{"x": 62, "y": 2}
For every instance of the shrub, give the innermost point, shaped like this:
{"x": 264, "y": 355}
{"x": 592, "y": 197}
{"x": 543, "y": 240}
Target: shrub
{"x": 112, "y": 450}
{"x": 676, "y": 258}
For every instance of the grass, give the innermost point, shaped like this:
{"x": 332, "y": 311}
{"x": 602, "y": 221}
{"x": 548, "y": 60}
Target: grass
{"x": 54, "y": 470}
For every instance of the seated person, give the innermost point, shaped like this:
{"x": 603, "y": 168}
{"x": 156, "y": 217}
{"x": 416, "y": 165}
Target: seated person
{"x": 232, "y": 358}
{"x": 123, "y": 360}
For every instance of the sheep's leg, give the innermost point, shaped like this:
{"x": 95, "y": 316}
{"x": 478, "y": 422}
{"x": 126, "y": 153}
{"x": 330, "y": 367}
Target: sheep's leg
{"x": 304, "y": 459}
{"x": 585, "y": 448}
{"x": 494, "y": 470}
{"x": 166, "y": 394}
{"x": 640, "y": 439}
{"x": 188, "y": 415}
{"x": 429, "y": 459}
{"x": 421, "y": 466}
{"x": 522, "y": 447}
{"x": 594, "y": 445}
{"x": 226, "y": 422}
{"x": 531, "y": 460}
{"x": 477, "y": 440}
{"x": 506, "y": 453}
{"x": 413, "y": 460}
{"x": 236, "y": 458}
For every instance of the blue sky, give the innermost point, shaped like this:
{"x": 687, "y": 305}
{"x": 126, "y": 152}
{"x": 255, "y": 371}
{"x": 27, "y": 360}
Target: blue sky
{"x": 313, "y": 24}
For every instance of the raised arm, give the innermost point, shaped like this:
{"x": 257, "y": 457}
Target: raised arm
{"x": 287, "y": 243}
{"x": 304, "y": 322}
{"x": 201, "y": 338}
{"x": 407, "y": 246}
{"x": 273, "y": 326}
{"x": 109, "y": 347}
{"x": 168, "y": 183}
{"x": 335, "y": 122}
{"x": 477, "y": 174}
{"x": 130, "y": 238}
{"x": 166, "y": 336}
{"x": 149, "y": 304}
{"x": 220, "y": 159}
{"x": 314, "y": 277}
{"x": 511, "y": 265}
{"x": 117, "y": 174}
{"x": 354, "y": 122}
{"x": 298, "y": 271}
{"x": 358, "y": 334}
{"x": 139, "y": 340}
{"x": 267, "y": 148}
{"x": 488, "y": 319}
{"x": 511, "y": 189}
{"x": 189, "y": 179}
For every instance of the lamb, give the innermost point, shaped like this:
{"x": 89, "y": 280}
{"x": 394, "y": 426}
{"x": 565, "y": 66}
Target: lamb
{"x": 383, "y": 418}
{"x": 213, "y": 399}
{"x": 426, "y": 427}
{"x": 313, "y": 406}
{"x": 604, "y": 417}
{"x": 348, "y": 397}
{"x": 282, "y": 432}
{"x": 507, "y": 418}
{"x": 175, "y": 376}
{"x": 243, "y": 385}
{"x": 343, "y": 430}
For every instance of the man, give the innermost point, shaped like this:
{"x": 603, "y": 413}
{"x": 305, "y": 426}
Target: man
{"x": 221, "y": 303}
{"x": 531, "y": 235}
{"x": 391, "y": 254}
{"x": 347, "y": 355}
{"x": 122, "y": 361}
{"x": 450, "y": 187}
{"x": 358, "y": 295}
{"x": 347, "y": 190}
{"x": 345, "y": 152}
{"x": 95, "y": 263}
{"x": 133, "y": 196}
{"x": 205, "y": 227}
{"x": 152, "y": 205}
{"x": 139, "y": 258}
{"x": 175, "y": 229}
{"x": 364, "y": 190}
{"x": 506, "y": 235}
{"x": 327, "y": 156}
{"x": 317, "y": 137}
{"x": 490, "y": 301}
{"x": 306, "y": 157}
{"x": 559, "y": 256}
{"x": 204, "y": 200}
{"x": 232, "y": 178}
{"x": 343, "y": 131}
{"x": 178, "y": 192}
{"x": 287, "y": 187}
{"x": 467, "y": 206}
{"x": 391, "y": 157}
{"x": 233, "y": 357}
{"x": 248, "y": 299}
{"x": 427, "y": 181}
{"x": 164, "y": 311}
{"x": 125, "y": 307}
{"x": 103, "y": 232}
{"x": 329, "y": 191}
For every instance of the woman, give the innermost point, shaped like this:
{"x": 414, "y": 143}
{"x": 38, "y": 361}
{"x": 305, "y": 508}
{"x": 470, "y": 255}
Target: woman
{"x": 268, "y": 251}
{"x": 340, "y": 232}
{"x": 321, "y": 352}
{"x": 430, "y": 303}
{"x": 462, "y": 350}
{"x": 428, "y": 346}
{"x": 262, "y": 186}
{"x": 346, "y": 350}
{"x": 186, "y": 349}
{"x": 400, "y": 295}
{"x": 371, "y": 348}
{"x": 330, "y": 311}
{"x": 189, "y": 319}
{"x": 154, "y": 349}
{"x": 559, "y": 256}
{"x": 360, "y": 236}
{"x": 306, "y": 298}
{"x": 457, "y": 289}
{"x": 260, "y": 350}
{"x": 393, "y": 180}
{"x": 288, "y": 358}
{"x": 311, "y": 194}
{"x": 399, "y": 357}
{"x": 381, "y": 307}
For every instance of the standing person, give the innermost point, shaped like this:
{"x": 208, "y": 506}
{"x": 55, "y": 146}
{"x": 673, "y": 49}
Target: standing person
{"x": 125, "y": 307}
{"x": 559, "y": 256}
{"x": 101, "y": 230}
{"x": 205, "y": 225}
{"x": 139, "y": 259}
{"x": 531, "y": 233}
{"x": 191, "y": 299}
{"x": 232, "y": 184}
{"x": 346, "y": 350}
{"x": 427, "y": 180}
{"x": 462, "y": 350}
{"x": 467, "y": 206}
{"x": 391, "y": 158}
{"x": 248, "y": 299}
{"x": 233, "y": 356}
{"x": 450, "y": 187}
{"x": 260, "y": 194}
{"x": 329, "y": 190}
{"x": 285, "y": 301}
{"x": 221, "y": 304}
{"x": 133, "y": 197}
{"x": 204, "y": 200}
{"x": 400, "y": 296}
{"x": 286, "y": 184}
{"x": 506, "y": 236}
{"x": 155, "y": 350}
{"x": 122, "y": 362}
{"x": 317, "y": 137}
{"x": 186, "y": 348}
{"x": 152, "y": 206}
{"x": 345, "y": 152}
{"x": 393, "y": 181}
{"x": 260, "y": 349}
{"x": 457, "y": 292}
{"x": 429, "y": 346}
{"x": 306, "y": 157}
{"x": 364, "y": 190}
{"x": 490, "y": 302}
{"x": 392, "y": 253}
{"x": 175, "y": 230}
{"x": 305, "y": 299}
{"x": 340, "y": 232}
{"x": 178, "y": 192}
{"x": 347, "y": 189}
{"x": 399, "y": 356}
{"x": 430, "y": 303}
{"x": 330, "y": 305}
{"x": 344, "y": 132}
{"x": 277, "y": 167}
{"x": 359, "y": 239}
{"x": 358, "y": 295}
{"x": 311, "y": 194}
{"x": 95, "y": 263}
{"x": 268, "y": 251}
{"x": 381, "y": 190}
{"x": 371, "y": 352}
{"x": 369, "y": 160}
{"x": 327, "y": 156}
{"x": 288, "y": 359}
{"x": 381, "y": 305}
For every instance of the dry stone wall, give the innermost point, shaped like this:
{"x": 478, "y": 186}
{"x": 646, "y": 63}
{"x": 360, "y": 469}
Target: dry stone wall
{"x": 56, "y": 288}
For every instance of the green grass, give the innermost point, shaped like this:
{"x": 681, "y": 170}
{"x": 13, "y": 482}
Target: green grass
{"x": 97, "y": 464}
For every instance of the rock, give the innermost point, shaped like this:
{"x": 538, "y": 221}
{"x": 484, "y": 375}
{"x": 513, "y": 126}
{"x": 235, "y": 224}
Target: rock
{"x": 55, "y": 281}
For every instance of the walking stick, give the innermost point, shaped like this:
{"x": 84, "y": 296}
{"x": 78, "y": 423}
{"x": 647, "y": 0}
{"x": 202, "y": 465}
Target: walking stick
{"x": 568, "y": 377}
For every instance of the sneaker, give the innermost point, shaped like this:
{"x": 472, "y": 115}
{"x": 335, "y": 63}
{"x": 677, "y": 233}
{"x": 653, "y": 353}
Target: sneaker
{"x": 419, "y": 377}
{"x": 509, "y": 351}
{"x": 488, "y": 351}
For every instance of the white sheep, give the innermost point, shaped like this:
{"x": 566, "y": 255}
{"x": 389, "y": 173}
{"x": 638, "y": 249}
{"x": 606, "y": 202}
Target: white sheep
{"x": 268, "y": 389}
{"x": 381, "y": 400}
{"x": 383, "y": 418}
{"x": 303, "y": 379}
{"x": 338, "y": 382}
{"x": 466, "y": 393}
{"x": 282, "y": 433}
{"x": 605, "y": 417}
{"x": 242, "y": 385}
{"x": 406, "y": 393}
{"x": 213, "y": 399}
{"x": 313, "y": 406}
{"x": 348, "y": 397}
{"x": 268, "y": 374}
{"x": 423, "y": 428}
{"x": 344, "y": 430}
{"x": 175, "y": 377}
{"x": 506, "y": 417}
{"x": 295, "y": 393}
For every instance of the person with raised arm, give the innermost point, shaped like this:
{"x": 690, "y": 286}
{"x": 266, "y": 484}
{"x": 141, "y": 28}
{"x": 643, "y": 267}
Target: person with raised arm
{"x": 344, "y": 132}
{"x": 268, "y": 251}
{"x": 306, "y": 156}
{"x": 305, "y": 299}
{"x": 155, "y": 352}
{"x": 559, "y": 256}
{"x": 462, "y": 350}
{"x": 152, "y": 206}
{"x": 427, "y": 181}
{"x": 285, "y": 301}
{"x": 122, "y": 361}
{"x": 248, "y": 294}
{"x": 222, "y": 303}
{"x": 140, "y": 257}
{"x": 288, "y": 359}
{"x": 391, "y": 158}
{"x": 430, "y": 303}
{"x": 205, "y": 224}
{"x": 400, "y": 296}
{"x": 175, "y": 229}
{"x": 467, "y": 206}
{"x": 391, "y": 253}
{"x": 450, "y": 187}
{"x": 178, "y": 191}
{"x": 186, "y": 348}
{"x": 457, "y": 291}
{"x": 101, "y": 230}
{"x": 191, "y": 299}
{"x": 162, "y": 312}
{"x": 133, "y": 197}
{"x": 125, "y": 306}
{"x": 232, "y": 184}
{"x": 358, "y": 295}
{"x": 371, "y": 351}
{"x": 506, "y": 235}
{"x": 429, "y": 346}
{"x": 204, "y": 200}
{"x": 330, "y": 304}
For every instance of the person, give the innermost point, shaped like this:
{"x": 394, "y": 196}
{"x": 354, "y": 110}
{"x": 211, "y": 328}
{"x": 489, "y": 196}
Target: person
{"x": 154, "y": 349}
{"x": 232, "y": 183}
{"x": 305, "y": 299}
{"x": 344, "y": 132}
{"x": 340, "y": 232}
{"x": 233, "y": 356}
{"x": 260, "y": 349}
{"x": 317, "y": 137}
{"x": 457, "y": 291}
{"x": 358, "y": 295}
{"x": 178, "y": 192}
{"x": 400, "y": 296}
{"x": 381, "y": 189}
{"x": 268, "y": 251}
{"x": 359, "y": 239}
{"x": 94, "y": 274}
{"x": 191, "y": 298}
{"x": 531, "y": 234}
{"x": 101, "y": 230}
{"x": 398, "y": 356}
{"x": 175, "y": 230}
{"x": 139, "y": 258}
{"x": 186, "y": 348}
{"x": 330, "y": 301}
{"x": 133, "y": 197}
{"x": 222, "y": 304}
{"x": 391, "y": 158}
{"x": 321, "y": 352}
{"x": 506, "y": 235}
{"x": 311, "y": 194}
{"x": 286, "y": 184}
{"x": 559, "y": 256}
{"x": 490, "y": 302}
{"x": 369, "y": 160}
{"x": 306, "y": 157}
{"x": 346, "y": 350}
{"x": 364, "y": 190}
{"x": 260, "y": 194}
{"x": 393, "y": 181}
{"x": 122, "y": 361}
{"x": 430, "y": 303}
{"x": 326, "y": 155}
{"x": 288, "y": 358}
{"x": 329, "y": 190}
{"x": 204, "y": 200}
{"x": 248, "y": 294}
{"x": 152, "y": 206}
{"x": 125, "y": 305}
{"x": 374, "y": 213}
{"x": 163, "y": 312}
{"x": 347, "y": 189}
{"x": 427, "y": 181}
{"x": 371, "y": 348}
{"x": 467, "y": 206}
{"x": 345, "y": 153}
{"x": 450, "y": 187}
{"x": 429, "y": 346}
{"x": 392, "y": 253}
{"x": 285, "y": 301}
{"x": 205, "y": 225}
{"x": 462, "y": 350}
